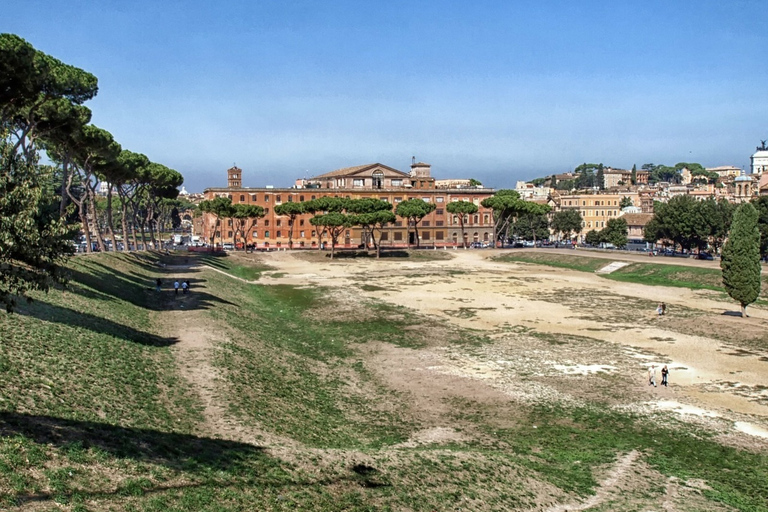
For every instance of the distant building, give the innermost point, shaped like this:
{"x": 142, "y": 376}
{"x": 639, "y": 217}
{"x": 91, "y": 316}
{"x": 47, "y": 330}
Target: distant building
{"x": 616, "y": 177}
{"x": 439, "y": 228}
{"x": 530, "y": 192}
{"x": 725, "y": 170}
{"x": 759, "y": 160}
{"x": 595, "y": 209}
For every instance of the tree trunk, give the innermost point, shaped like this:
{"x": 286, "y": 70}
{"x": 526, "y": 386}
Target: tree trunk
{"x": 64, "y": 185}
{"x": 110, "y": 226}
{"x": 124, "y": 219}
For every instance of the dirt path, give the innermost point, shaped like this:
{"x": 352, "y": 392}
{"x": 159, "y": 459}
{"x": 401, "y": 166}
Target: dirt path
{"x": 607, "y": 486}
{"x": 197, "y": 342}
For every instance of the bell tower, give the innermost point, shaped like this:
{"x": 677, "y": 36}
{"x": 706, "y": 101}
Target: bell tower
{"x": 234, "y": 177}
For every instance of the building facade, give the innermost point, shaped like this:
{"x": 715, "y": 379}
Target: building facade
{"x": 595, "y": 209}
{"x": 438, "y": 229}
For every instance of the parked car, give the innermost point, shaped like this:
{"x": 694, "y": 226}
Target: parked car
{"x": 703, "y": 255}
{"x": 228, "y": 246}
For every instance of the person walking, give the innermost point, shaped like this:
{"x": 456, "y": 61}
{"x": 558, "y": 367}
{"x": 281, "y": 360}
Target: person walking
{"x": 184, "y": 287}
{"x": 189, "y": 286}
{"x": 176, "y": 287}
{"x": 652, "y": 376}
{"x": 158, "y": 284}
{"x": 663, "y": 309}
{"x": 664, "y": 374}
{"x": 659, "y": 309}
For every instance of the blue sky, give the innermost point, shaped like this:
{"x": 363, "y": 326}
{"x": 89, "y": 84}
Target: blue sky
{"x": 494, "y": 90}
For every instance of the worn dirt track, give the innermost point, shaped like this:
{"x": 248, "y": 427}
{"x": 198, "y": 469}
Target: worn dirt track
{"x": 706, "y": 372}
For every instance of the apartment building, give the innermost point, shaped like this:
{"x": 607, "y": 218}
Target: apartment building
{"x": 595, "y": 209}
{"x": 438, "y": 229}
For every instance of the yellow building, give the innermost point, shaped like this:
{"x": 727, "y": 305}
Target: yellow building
{"x": 595, "y": 209}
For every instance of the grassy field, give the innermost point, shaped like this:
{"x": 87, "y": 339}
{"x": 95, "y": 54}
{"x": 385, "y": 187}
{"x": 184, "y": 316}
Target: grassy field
{"x": 94, "y": 413}
{"x": 653, "y": 274}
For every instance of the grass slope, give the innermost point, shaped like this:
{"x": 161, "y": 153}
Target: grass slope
{"x": 94, "y": 416}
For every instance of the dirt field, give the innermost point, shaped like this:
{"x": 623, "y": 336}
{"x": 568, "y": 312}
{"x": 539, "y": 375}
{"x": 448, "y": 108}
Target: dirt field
{"x": 612, "y": 328}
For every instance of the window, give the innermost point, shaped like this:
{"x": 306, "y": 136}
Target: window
{"x": 384, "y": 236}
{"x": 313, "y": 198}
{"x": 266, "y": 234}
{"x": 266, "y": 222}
{"x": 439, "y": 211}
{"x": 439, "y": 235}
{"x": 301, "y": 222}
{"x": 485, "y": 218}
{"x": 398, "y": 236}
{"x": 397, "y": 183}
{"x": 301, "y": 234}
{"x": 583, "y": 203}
{"x": 425, "y": 199}
{"x": 279, "y": 222}
{"x": 266, "y": 211}
{"x": 255, "y": 235}
{"x": 439, "y": 199}
{"x": 425, "y": 235}
{"x": 242, "y": 198}
{"x": 398, "y": 199}
{"x": 279, "y": 234}
{"x": 301, "y": 199}
{"x": 358, "y": 182}
{"x": 425, "y": 223}
{"x": 229, "y": 234}
{"x": 313, "y": 233}
{"x": 398, "y": 223}
{"x": 438, "y": 223}
{"x": 477, "y": 219}
{"x": 266, "y": 198}
{"x": 378, "y": 179}
{"x": 278, "y": 199}
{"x": 229, "y": 222}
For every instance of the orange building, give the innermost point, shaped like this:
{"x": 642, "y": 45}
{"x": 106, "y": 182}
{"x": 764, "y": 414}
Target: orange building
{"x": 439, "y": 228}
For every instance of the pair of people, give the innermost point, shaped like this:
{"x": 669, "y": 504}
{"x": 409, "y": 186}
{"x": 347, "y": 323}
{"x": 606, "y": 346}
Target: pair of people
{"x": 661, "y": 309}
{"x": 184, "y": 287}
{"x": 652, "y": 376}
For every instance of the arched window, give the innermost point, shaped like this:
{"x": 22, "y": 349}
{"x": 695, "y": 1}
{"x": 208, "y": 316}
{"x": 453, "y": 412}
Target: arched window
{"x": 378, "y": 179}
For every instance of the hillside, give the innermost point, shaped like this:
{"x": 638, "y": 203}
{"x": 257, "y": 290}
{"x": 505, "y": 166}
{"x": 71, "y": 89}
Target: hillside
{"x": 285, "y": 382}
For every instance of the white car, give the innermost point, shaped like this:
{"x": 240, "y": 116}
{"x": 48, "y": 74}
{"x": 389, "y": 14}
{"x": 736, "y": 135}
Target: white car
{"x": 228, "y": 247}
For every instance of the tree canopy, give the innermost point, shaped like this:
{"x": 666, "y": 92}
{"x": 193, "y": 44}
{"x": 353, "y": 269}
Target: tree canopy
{"x": 740, "y": 260}
{"x": 413, "y": 210}
{"x": 461, "y": 209}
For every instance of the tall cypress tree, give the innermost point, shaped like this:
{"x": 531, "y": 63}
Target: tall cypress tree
{"x": 741, "y": 258}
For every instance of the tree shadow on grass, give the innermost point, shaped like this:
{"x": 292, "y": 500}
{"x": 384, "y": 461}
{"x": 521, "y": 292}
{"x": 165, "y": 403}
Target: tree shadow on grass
{"x": 52, "y": 313}
{"x": 105, "y": 283}
{"x": 203, "y": 462}
{"x": 179, "y": 452}
{"x": 174, "y": 450}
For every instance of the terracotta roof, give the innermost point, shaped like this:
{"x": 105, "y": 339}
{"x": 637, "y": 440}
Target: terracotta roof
{"x": 347, "y": 171}
{"x": 637, "y": 219}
